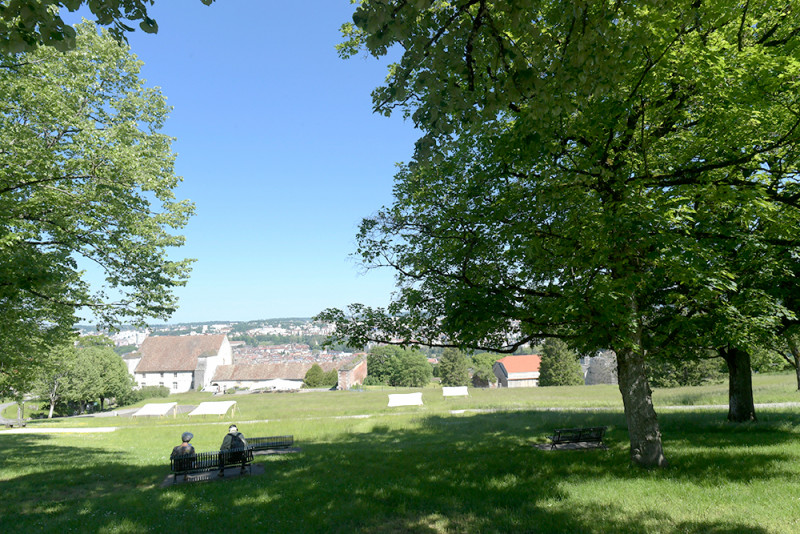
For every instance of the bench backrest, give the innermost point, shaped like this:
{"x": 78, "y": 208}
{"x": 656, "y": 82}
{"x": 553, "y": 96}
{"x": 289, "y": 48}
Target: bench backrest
{"x": 270, "y": 442}
{"x": 580, "y": 434}
{"x": 209, "y": 460}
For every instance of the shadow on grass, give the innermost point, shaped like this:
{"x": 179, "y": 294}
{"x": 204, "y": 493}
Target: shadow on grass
{"x": 476, "y": 473}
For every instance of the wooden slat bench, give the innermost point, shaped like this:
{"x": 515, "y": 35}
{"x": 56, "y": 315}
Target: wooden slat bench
{"x": 270, "y": 442}
{"x": 578, "y": 435}
{"x": 210, "y": 461}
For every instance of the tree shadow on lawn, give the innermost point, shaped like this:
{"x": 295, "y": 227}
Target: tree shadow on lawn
{"x": 476, "y": 473}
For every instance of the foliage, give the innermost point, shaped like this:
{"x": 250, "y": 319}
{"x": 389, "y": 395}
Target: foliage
{"x": 675, "y": 372}
{"x": 86, "y": 180}
{"x": 315, "y": 377}
{"x": 454, "y": 368}
{"x": 53, "y": 370}
{"x": 766, "y": 360}
{"x": 560, "y": 365}
{"x": 331, "y": 378}
{"x": 395, "y": 366}
{"x": 26, "y": 24}
{"x": 70, "y": 377}
{"x": 125, "y": 349}
{"x": 619, "y": 174}
{"x": 483, "y": 368}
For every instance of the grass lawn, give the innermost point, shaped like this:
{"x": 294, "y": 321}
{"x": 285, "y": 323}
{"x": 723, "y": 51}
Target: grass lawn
{"x": 452, "y": 465}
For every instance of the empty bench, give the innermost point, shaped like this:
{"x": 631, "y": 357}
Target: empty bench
{"x": 209, "y": 461}
{"x": 578, "y": 435}
{"x": 270, "y": 442}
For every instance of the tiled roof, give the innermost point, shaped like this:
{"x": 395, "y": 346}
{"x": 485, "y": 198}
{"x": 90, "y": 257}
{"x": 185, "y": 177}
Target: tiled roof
{"x": 521, "y": 364}
{"x": 176, "y": 353}
{"x": 269, "y": 371}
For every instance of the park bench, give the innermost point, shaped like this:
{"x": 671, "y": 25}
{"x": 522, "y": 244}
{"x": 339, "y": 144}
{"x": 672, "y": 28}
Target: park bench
{"x": 578, "y": 435}
{"x": 210, "y": 461}
{"x": 270, "y": 442}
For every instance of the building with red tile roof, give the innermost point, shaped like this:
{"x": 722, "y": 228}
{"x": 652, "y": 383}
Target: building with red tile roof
{"x": 518, "y": 371}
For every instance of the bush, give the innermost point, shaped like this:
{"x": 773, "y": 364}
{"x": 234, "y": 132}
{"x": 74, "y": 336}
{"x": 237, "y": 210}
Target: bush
{"x": 315, "y": 377}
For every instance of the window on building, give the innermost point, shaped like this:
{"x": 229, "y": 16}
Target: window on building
{"x": 175, "y": 375}
{"x": 161, "y": 384}
{"x": 175, "y": 385}
{"x": 162, "y": 375}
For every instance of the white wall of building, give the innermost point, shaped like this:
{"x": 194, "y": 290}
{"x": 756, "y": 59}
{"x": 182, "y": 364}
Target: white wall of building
{"x": 177, "y": 382}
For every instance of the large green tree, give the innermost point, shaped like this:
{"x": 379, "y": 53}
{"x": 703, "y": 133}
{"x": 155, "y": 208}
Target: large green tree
{"x": 399, "y": 367}
{"x": 94, "y": 372}
{"x": 560, "y": 366}
{"x": 27, "y": 24}
{"x": 86, "y": 182}
{"x": 568, "y": 151}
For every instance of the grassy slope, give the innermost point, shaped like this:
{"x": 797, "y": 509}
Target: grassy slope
{"x": 419, "y": 469}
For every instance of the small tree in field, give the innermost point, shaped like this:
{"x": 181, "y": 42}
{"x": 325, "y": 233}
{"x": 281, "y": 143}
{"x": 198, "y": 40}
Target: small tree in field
{"x": 560, "y": 366}
{"x": 453, "y": 368}
{"x": 315, "y": 377}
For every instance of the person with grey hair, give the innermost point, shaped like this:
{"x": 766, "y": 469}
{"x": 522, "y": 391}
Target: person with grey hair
{"x": 235, "y": 444}
{"x": 184, "y": 448}
{"x": 183, "y": 454}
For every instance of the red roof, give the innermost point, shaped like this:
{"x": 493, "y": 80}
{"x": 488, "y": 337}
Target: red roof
{"x": 522, "y": 364}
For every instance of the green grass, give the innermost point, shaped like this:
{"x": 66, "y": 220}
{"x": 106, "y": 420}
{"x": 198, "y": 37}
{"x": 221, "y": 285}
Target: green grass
{"x": 418, "y": 469}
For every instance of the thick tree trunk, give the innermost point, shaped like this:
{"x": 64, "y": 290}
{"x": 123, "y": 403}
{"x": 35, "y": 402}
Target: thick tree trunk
{"x": 740, "y": 385}
{"x": 795, "y": 359}
{"x": 797, "y": 374}
{"x": 643, "y": 429}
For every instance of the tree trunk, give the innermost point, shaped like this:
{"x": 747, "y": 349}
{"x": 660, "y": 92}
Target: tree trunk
{"x": 643, "y": 429}
{"x": 797, "y": 374}
{"x": 740, "y": 385}
{"x": 795, "y": 359}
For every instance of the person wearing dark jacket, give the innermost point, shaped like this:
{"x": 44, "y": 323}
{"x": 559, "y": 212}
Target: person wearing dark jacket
{"x": 234, "y": 441}
{"x": 185, "y": 452}
{"x": 184, "y": 448}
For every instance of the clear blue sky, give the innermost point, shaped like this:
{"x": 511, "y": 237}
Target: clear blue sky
{"x": 279, "y": 149}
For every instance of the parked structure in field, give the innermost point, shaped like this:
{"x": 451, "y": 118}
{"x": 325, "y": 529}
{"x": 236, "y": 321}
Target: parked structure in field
{"x": 600, "y": 369}
{"x": 517, "y": 371}
{"x": 181, "y": 363}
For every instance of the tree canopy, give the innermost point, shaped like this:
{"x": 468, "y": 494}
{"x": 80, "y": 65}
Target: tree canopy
{"x": 27, "y": 24}
{"x": 588, "y": 171}
{"x": 400, "y": 367}
{"x": 86, "y": 181}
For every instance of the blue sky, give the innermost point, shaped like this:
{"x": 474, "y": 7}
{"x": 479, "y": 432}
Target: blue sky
{"x": 279, "y": 149}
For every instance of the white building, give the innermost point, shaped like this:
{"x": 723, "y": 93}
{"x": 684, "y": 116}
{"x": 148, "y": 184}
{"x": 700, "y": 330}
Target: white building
{"x": 181, "y": 363}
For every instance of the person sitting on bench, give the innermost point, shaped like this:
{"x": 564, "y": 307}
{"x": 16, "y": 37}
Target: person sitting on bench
{"x": 184, "y": 448}
{"x": 233, "y": 441}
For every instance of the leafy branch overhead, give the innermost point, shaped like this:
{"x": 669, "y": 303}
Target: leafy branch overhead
{"x": 27, "y": 24}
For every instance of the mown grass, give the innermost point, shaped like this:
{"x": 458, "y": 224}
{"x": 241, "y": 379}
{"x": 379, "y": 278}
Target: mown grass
{"x": 424, "y": 469}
